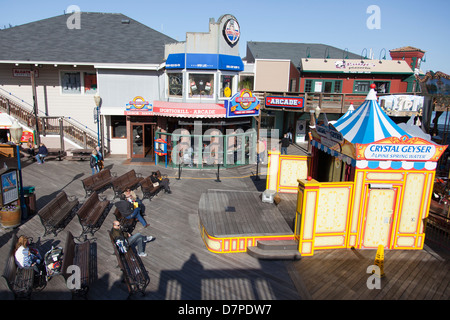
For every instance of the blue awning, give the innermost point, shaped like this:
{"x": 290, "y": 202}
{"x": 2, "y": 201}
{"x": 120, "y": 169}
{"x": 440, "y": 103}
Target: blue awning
{"x": 176, "y": 61}
{"x": 201, "y": 61}
{"x": 204, "y": 61}
{"x": 230, "y": 63}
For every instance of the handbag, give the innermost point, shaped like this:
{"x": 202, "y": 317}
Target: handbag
{"x": 156, "y": 184}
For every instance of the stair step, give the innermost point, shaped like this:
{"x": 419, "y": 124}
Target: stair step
{"x": 278, "y": 244}
{"x": 260, "y": 253}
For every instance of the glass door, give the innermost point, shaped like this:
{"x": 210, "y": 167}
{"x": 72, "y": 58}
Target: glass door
{"x": 137, "y": 138}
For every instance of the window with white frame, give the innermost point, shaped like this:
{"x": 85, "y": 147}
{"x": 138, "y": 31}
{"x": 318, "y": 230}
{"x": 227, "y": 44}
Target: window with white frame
{"x": 175, "y": 84}
{"x": 201, "y": 85}
{"x": 71, "y": 82}
{"x": 77, "y": 82}
{"x": 226, "y": 86}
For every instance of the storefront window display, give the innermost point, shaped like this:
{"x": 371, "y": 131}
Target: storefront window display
{"x": 226, "y": 86}
{"x": 118, "y": 127}
{"x": 201, "y": 85}
{"x": 234, "y": 147}
{"x": 175, "y": 84}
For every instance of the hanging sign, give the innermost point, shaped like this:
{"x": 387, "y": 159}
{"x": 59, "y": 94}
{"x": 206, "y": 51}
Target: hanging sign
{"x": 231, "y": 32}
{"x": 138, "y": 106}
{"x": 242, "y": 104}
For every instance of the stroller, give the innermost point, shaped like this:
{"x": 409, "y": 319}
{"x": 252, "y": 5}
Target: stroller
{"x": 53, "y": 262}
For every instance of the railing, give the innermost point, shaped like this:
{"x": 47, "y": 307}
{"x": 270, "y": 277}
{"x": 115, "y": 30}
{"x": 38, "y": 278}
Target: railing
{"x": 46, "y": 125}
{"x": 438, "y": 230}
{"x": 327, "y": 102}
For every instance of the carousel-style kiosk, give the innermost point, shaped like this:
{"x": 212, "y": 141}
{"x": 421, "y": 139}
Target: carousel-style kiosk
{"x": 371, "y": 184}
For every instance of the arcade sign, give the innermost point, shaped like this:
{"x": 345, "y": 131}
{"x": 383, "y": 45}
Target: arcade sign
{"x": 284, "y": 102}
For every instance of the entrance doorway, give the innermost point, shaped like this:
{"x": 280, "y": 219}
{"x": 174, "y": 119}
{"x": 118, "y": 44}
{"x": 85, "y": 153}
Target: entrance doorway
{"x": 379, "y": 217}
{"x": 142, "y": 140}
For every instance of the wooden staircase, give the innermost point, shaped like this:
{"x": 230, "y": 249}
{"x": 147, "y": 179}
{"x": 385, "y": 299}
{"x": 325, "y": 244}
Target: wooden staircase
{"x": 61, "y": 126}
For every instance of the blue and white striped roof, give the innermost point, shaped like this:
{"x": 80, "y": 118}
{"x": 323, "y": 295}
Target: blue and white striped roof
{"x": 368, "y": 123}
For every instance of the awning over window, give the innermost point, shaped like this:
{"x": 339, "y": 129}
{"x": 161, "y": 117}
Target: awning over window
{"x": 5, "y": 121}
{"x": 189, "y": 110}
{"x": 204, "y": 61}
{"x": 176, "y": 61}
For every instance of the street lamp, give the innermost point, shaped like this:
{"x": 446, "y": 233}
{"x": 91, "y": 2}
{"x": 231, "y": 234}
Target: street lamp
{"x": 16, "y": 132}
{"x": 16, "y": 135}
{"x": 97, "y": 100}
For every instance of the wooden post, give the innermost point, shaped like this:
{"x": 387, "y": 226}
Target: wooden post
{"x": 61, "y": 134}
{"x": 35, "y": 105}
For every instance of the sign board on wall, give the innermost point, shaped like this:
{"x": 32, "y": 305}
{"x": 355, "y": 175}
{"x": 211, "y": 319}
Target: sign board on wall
{"x": 403, "y": 103}
{"x": 242, "y": 104}
{"x": 400, "y": 149}
{"x": 284, "y": 102}
{"x": 24, "y": 73}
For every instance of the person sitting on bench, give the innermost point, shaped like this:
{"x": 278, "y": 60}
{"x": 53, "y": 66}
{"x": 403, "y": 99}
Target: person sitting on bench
{"x": 128, "y": 211}
{"x": 129, "y": 240}
{"x": 164, "y": 183}
{"x": 42, "y": 153}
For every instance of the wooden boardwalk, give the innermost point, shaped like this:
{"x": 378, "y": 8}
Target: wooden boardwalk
{"x": 180, "y": 266}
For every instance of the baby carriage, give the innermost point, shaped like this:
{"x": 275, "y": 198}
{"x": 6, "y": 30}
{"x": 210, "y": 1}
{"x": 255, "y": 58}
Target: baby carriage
{"x": 53, "y": 262}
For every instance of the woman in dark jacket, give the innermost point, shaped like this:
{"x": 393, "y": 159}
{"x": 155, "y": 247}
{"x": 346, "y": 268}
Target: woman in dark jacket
{"x": 42, "y": 153}
{"x": 94, "y": 162}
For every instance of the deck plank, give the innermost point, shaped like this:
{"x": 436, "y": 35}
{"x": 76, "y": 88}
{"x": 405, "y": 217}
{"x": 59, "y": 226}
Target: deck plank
{"x": 181, "y": 267}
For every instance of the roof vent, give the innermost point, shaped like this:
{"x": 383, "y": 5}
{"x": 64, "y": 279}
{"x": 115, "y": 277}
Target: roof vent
{"x": 125, "y": 21}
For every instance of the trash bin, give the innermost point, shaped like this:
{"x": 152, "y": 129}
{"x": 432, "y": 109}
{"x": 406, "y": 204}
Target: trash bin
{"x": 267, "y": 196}
{"x": 30, "y": 199}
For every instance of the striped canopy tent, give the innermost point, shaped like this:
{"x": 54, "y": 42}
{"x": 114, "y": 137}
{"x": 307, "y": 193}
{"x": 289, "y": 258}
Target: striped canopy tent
{"x": 368, "y": 123}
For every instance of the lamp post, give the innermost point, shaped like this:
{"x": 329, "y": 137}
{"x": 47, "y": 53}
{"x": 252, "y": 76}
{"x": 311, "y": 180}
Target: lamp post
{"x": 16, "y": 135}
{"x": 97, "y": 100}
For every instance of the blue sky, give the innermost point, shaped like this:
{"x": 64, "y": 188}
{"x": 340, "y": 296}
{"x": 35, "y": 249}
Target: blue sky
{"x": 343, "y": 24}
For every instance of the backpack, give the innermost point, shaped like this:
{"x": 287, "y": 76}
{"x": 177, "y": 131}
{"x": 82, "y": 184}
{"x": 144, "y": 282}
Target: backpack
{"x": 53, "y": 261}
{"x": 122, "y": 245}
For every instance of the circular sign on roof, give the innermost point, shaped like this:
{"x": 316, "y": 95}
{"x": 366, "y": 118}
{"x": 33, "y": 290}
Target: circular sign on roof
{"x": 231, "y": 32}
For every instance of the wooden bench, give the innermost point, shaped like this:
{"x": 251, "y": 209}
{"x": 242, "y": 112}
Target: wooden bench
{"x": 99, "y": 181}
{"x": 78, "y": 255}
{"x": 53, "y": 153}
{"x": 54, "y": 213}
{"x": 128, "y": 225}
{"x": 20, "y": 280}
{"x": 147, "y": 188}
{"x": 131, "y": 180}
{"x": 134, "y": 274}
{"x": 90, "y": 212}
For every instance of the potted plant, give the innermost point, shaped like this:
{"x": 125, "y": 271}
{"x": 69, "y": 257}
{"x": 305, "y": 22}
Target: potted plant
{"x": 10, "y": 215}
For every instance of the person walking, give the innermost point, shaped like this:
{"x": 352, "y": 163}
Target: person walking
{"x": 93, "y": 161}
{"x": 100, "y": 159}
{"x": 284, "y": 144}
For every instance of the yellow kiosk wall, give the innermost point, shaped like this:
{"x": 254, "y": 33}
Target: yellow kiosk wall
{"x": 381, "y": 206}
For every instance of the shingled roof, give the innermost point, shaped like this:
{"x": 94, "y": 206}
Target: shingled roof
{"x": 102, "y": 38}
{"x": 294, "y": 51}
